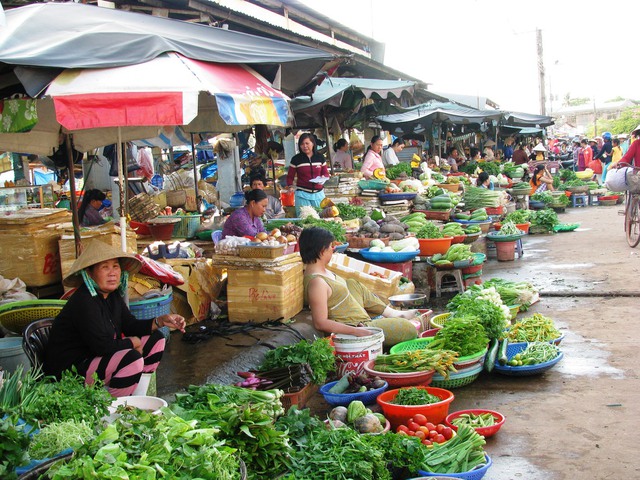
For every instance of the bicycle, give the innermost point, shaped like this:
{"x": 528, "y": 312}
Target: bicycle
{"x": 632, "y": 213}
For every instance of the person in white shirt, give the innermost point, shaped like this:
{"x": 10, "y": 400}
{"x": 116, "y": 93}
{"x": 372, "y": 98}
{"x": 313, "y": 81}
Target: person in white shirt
{"x": 390, "y": 155}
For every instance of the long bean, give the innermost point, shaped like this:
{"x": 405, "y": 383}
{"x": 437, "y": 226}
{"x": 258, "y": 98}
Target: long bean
{"x": 535, "y": 353}
{"x": 417, "y": 361}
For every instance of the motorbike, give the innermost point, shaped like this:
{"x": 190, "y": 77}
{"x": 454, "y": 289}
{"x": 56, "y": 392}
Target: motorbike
{"x": 565, "y": 159}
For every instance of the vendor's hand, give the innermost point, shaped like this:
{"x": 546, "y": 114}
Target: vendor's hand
{"x": 172, "y": 320}
{"x": 137, "y": 344}
{"x": 362, "y": 332}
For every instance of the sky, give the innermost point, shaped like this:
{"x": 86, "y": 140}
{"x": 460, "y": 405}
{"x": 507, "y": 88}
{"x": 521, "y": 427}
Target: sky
{"x": 488, "y": 47}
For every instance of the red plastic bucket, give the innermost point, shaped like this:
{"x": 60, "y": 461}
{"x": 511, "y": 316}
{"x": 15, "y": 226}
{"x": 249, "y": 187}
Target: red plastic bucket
{"x": 288, "y": 198}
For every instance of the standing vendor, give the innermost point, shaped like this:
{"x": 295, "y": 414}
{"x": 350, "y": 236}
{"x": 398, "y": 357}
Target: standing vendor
{"x": 246, "y": 221}
{"x": 342, "y": 158}
{"x": 305, "y": 167}
{"x": 489, "y": 154}
{"x": 95, "y": 332}
{"x": 390, "y": 155}
{"x": 372, "y": 159}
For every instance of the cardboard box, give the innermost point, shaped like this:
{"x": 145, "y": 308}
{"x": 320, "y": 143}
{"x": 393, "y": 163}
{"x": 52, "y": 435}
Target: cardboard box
{"x": 384, "y": 286}
{"x": 105, "y": 233}
{"x": 260, "y": 295}
{"x": 29, "y": 245}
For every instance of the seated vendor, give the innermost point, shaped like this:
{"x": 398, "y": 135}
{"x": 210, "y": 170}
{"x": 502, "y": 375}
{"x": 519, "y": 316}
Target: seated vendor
{"x": 274, "y": 207}
{"x": 338, "y": 305}
{"x": 95, "y": 332}
{"x": 541, "y": 180}
{"x": 246, "y": 221}
{"x": 89, "y": 211}
{"x": 484, "y": 181}
{"x": 454, "y": 159}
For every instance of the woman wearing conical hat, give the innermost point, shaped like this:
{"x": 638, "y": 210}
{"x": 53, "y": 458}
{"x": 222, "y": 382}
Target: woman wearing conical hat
{"x": 96, "y": 333}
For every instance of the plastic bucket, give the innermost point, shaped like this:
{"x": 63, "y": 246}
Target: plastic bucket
{"x": 12, "y": 354}
{"x": 506, "y": 251}
{"x": 288, "y": 198}
{"x": 353, "y": 352}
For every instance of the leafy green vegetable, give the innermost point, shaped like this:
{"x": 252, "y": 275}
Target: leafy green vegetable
{"x": 545, "y": 218}
{"x": 429, "y": 230}
{"x": 492, "y": 168}
{"x": 17, "y": 391}
{"x": 146, "y": 446}
{"x": 13, "y": 447}
{"x": 400, "y": 451}
{"x": 338, "y": 454}
{"x": 518, "y": 217}
{"x": 469, "y": 167}
{"x": 317, "y": 354}
{"x": 68, "y": 399}
{"x": 544, "y": 197}
{"x": 349, "y": 212}
{"x": 299, "y": 424}
{"x": 493, "y": 317}
{"x": 395, "y": 171}
{"x": 58, "y": 436}
{"x": 460, "y": 334}
{"x": 414, "y": 396}
{"x": 513, "y": 293}
{"x": 336, "y": 228}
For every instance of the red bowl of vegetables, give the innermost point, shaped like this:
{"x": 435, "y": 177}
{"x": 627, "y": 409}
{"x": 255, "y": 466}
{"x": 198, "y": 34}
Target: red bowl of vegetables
{"x": 398, "y": 414}
{"x": 476, "y": 418}
{"x": 400, "y": 379}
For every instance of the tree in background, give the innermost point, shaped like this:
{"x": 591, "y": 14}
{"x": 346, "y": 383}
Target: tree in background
{"x": 625, "y": 123}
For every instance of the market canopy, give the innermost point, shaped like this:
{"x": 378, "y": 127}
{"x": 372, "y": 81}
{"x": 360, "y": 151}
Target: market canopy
{"x": 420, "y": 117}
{"x": 56, "y": 36}
{"x": 518, "y": 119}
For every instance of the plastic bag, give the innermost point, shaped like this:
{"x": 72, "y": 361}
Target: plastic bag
{"x": 160, "y": 271}
{"x": 617, "y": 179}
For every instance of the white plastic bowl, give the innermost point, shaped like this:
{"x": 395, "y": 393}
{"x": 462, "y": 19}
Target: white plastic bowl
{"x": 143, "y": 402}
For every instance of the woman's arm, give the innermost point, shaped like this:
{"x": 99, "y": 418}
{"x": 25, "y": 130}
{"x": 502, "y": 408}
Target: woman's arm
{"x": 319, "y": 293}
{"x": 368, "y": 165}
{"x": 291, "y": 172}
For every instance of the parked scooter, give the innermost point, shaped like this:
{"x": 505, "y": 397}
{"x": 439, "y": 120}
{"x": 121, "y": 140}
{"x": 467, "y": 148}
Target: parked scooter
{"x": 565, "y": 159}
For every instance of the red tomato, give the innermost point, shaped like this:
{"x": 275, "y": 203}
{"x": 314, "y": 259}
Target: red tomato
{"x": 413, "y": 425}
{"x": 430, "y": 426}
{"x": 427, "y": 442}
{"x": 425, "y": 430}
{"x": 439, "y": 428}
{"x": 402, "y": 432}
{"x": 411, "y": 434}
{"x": 420, "y": 435}
{"x": 432, "y": 434}
{"x": 439, "y": 439}
{"x": 402, "y": 428}
{"x": 447, "y": 433}
{"x": 420, "y": 419}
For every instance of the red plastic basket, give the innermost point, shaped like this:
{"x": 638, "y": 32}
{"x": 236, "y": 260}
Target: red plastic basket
{"x": 486, "y": 432}
{"x": 399, "y": 414}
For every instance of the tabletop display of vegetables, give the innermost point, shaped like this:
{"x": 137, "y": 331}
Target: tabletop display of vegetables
{"x": 455, "y": 253}
{"x": 535, "y": 353}
{"x": 417, "y": 361}
{"x": 475, "y": 421}
{"x": 536, "y": 328}
{"x": 428, "y": 433}
{"x": 356, "y": 415}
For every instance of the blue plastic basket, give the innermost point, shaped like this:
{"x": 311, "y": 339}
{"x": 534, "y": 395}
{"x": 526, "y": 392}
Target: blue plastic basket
{"x": 344, "y": 399}
{"x": 475, "y": 474}
{"x": 157, "y": 181}
{"x": 154, "y": 307}
{"x": 388, "y": 257}
{"x": 341, "y": 248}
{"x": 524, "y": 370}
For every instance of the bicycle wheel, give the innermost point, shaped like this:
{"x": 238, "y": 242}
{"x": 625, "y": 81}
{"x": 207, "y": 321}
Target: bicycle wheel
{"x": 632, "y": 222}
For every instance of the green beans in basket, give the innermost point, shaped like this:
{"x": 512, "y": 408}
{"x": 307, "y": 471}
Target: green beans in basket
{"x": 417, "y": 361}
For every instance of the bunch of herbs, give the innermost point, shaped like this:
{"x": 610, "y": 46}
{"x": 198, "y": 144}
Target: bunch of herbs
{"x": 317, "y": 354}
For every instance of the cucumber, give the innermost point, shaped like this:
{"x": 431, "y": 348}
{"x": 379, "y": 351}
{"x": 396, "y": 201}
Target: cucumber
{"x": 502, "y": 356}
{"x": 490, "y": 360}
{"x": 341, "y": 385}
{"x": 462, "y": 216}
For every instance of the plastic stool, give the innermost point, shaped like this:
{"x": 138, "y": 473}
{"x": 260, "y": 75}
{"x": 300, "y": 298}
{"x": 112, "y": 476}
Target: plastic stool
{"x": 593, "y": 200}
{"x": 519, "y": 248}
{"x": 579, "y": 200}
{"x": 455, "y": 285}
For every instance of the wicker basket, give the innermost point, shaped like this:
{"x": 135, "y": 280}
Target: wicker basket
{"x": 584, "y": 189}
{"x": 452, "y": 187}
{"x": 436, "y": 214}
{"x": 257, "y": 251}
{"x": 16, "y": 316}
{"x": 147, "y": 309}
{"x": 607, "y": 203}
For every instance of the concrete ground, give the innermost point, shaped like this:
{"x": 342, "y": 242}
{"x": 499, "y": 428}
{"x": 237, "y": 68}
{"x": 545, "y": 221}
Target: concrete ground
{"x": 576, "y": 421}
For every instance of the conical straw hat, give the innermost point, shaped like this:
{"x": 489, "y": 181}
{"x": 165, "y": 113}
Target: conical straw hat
{"x": 96, "y": 252}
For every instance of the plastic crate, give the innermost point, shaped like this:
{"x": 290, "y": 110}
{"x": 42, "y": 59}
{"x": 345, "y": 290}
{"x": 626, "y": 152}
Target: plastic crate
{"x": 441, "y": 215}
{"x": 154, "y": 307}
{"x": 299, "y": 398}
{"x": 187, "y": 227}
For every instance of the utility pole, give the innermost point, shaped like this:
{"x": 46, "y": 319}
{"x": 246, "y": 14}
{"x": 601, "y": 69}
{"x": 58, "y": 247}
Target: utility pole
{"x": 543, "y": 108}
{"x": 595, "y": 118}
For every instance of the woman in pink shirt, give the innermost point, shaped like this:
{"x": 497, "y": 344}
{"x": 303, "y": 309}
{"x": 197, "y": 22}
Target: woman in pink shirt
{"x": 373, "y": 159}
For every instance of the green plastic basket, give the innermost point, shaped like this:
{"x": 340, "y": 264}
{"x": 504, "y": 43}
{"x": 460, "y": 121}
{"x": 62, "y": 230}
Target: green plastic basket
{"x": 457, "y": 380}
{"x": 372, "y": 184}
{"x": 16, "y": 316}
{"x": 421, "y": 343}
